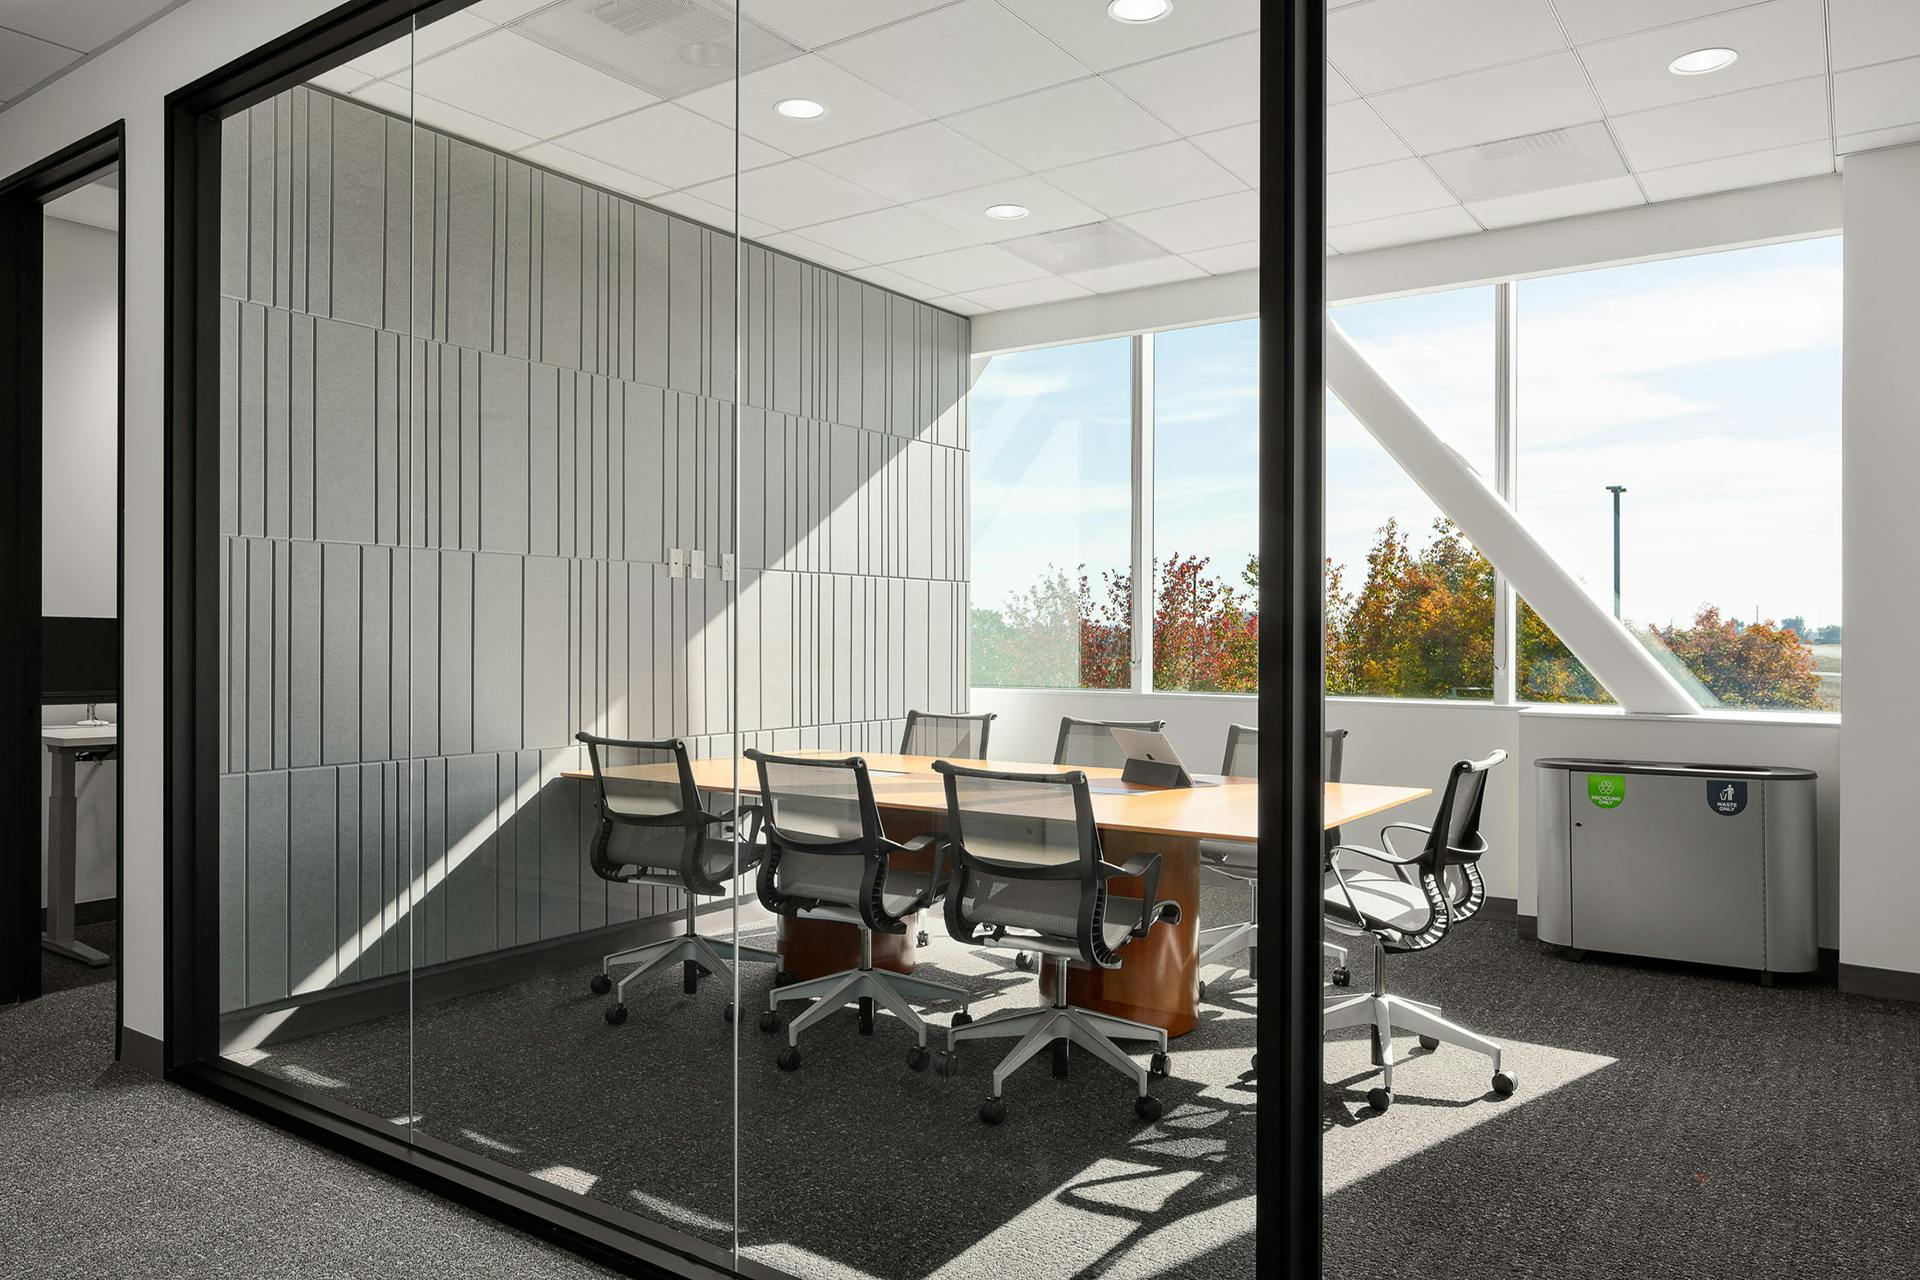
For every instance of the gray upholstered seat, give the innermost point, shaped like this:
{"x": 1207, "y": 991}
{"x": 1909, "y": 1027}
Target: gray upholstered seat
{"x": 1380, "y": 901}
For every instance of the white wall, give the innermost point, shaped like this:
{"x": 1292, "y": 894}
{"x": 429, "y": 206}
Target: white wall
{"x": 80, "y": 379}
{"x": 1880, "y": 468}
{"x": 131, "y": 81}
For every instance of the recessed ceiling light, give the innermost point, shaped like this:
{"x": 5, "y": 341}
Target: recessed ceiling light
{"x": 1702, "y": 61}
{"x": 799, "y": 108}
{"x": 1138, "y": 10}
{"x": 1006, "y": 212}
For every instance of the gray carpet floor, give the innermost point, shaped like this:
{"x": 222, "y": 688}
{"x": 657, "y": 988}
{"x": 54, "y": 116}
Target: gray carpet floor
{"x": 57, "y": 973}
{"x": 1669, "y": 1123}
{"x": 106, "y": 1172}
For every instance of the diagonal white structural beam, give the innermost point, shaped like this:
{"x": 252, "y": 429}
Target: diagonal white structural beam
{"x": 1636, "y": 680}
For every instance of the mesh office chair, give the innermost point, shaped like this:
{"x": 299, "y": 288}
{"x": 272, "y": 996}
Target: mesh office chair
{"x": 1413, "y": 908}
{"x": 828, "y": 858}
{"x": 1090, "y": 742}
{"x": 957, "y": 737}
{"x": 653, "y": 830}
{"x": 1241, "y": 861}
{"x": 1028, "y": 872}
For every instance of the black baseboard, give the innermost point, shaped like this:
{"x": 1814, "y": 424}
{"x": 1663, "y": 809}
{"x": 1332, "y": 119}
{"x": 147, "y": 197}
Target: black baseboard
{"x": 137, "y": 1049}
{"x": 1528, "y": 927}
{"x": 94, "y": 911}
{"x": 1500, "y": 908}
{"x": 360, "y": 1002}
{"x": 1884, "y": 984}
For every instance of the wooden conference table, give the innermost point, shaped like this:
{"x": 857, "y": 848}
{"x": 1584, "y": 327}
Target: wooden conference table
{"x": 1158, "y": 981}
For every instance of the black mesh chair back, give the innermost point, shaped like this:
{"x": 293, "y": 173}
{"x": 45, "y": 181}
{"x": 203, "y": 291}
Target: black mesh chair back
{"x": 651, "y": 822}
{"x": 825, "y": 844}
{"x": 956, "y": 737}
{"x": 1333, "y": 750}
{"x": 1090, "y": 743}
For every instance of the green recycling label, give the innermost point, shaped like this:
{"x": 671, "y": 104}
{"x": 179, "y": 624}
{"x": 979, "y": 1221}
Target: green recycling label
{"x": 1607, "y": 790}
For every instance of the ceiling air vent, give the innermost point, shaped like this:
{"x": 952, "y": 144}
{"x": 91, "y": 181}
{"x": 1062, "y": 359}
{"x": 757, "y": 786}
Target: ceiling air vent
{"x": 1084, "y": 248}
{"x": 1531, "y": 162}
{"x": 670, "y": 48}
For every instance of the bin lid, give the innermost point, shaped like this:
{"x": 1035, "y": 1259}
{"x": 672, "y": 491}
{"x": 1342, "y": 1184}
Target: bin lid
{"x": 1763, "y": 772}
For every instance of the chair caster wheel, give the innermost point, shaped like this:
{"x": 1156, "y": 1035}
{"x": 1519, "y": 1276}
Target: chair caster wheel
{"x": 769, "y": 1021}
{"x": 1147, "y": 1107}
{"x": 690, "y": 974}
{"x": 962, "y": 1018}
{"x": 949, "y": 1064}
{"x": 616, "y": 1015}
{"x": 1253, "y": 1064}
{"x": 789, "y": 1059}
{"x": 1060, "y": 1059}
{"x": 727, "y": 1013}
{"x": 1201, "y": 992}
{"x": 1022, "y": 960}
{"x": 993, "y": 1111}
{"x": 600, "y": 984}
{"x": 1505, "y": 1082}
{"x": 1343, "y": 977}
{"x": 1157, "y": 1066}
{"x": 1379, "y": 1099}
{"x": 918, "y": 1059}
{"x": 866, "y": 1015}
{"x": 923, "y": 940}
{"x": 1429, "y": 1043}
{"x": 782, "y": 978}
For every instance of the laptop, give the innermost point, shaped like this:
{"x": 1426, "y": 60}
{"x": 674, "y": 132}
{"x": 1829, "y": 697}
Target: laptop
{"x": 1152, "y": 745}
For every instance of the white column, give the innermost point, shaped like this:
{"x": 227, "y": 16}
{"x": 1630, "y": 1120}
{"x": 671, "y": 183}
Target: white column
{"x": 1629, "y": 672}
{"x": 1880, "y": 476}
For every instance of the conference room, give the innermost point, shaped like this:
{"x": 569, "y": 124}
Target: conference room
{"x": 730, "y": 547}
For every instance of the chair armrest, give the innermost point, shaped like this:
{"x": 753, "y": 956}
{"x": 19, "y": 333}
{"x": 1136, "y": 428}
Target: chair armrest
{"x": 1422, "y": 832}
{"x": 1147, "y": 867}
{"x": 936, "y": 882}
{"x": 1378, "y": 855}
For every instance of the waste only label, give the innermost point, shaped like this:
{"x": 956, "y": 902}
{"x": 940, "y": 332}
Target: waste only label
{"x": 1607, "y": 790}
{"x": 1726, "y": 797}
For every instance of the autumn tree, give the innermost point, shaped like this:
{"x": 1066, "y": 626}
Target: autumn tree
{"x": 1760, "y": 664}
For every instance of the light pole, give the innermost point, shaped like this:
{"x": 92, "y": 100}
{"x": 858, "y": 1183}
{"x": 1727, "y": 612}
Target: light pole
{"x": 1616, "y": 490}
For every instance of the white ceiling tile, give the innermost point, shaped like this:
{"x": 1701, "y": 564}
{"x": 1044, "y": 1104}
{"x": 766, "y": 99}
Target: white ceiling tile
{"x": 1559, "y": 202}
{"x": 1383, "y": 190}
{"x": 76, "y": 24}
{"x": 799, "y": 246}
{"x": 818, "y": 22}
{"x": 587, "y": 169}
{"x": 1196, "y": 90}
{"x": 25, "y": 62}
{"x": 1752, "y": 120}
{"x": 1338, "y": 90}
{"x": 888, "y": 278}
{"x": 434, "y": 38}
{"x": 1048, "y": 209}
{"x": 1877, "y": 138}
{"x": 434, "y": 114}
{"x": 1578, "y": 154}
{"x": 1867, "y": 31}
{"x": 1227, "y": 259}
{"x": 541, "y": 92}
{"x": 1481, "y": 106}
{"x": 1589, "y": 20}
{"x": 887, "y": 235}
{"x": 1137, "y": 275}
{"x": 855, "y": 109}
{"x": 1028, "y": 293}
{"x": 1390, "y": 43}
{"x": 1356, "y": 137}
{"x": 1083, "y": 29}
{"x": 969, "y": 270}
{"x": 1079, "y": 120}
{"x": 1141, "y": 179}
{"x": 961, "y": 56}
{"x": 1879, "y": 97}
{"x": 340, "y": 80}
{"x": 960, "y": 303}
{"x": 505, "y": 11}
{"x": 790, "y": 195}
{"x": 1405, "y": 228}
{"x": 1803, "y": 160}
{"x": 668, "y": 144}
{"x": 722, "y": 219}
{"x": 1237, "y": 148}
{"x": 1782, "y": 40}
{"x": 915, "y": 163}
{"x": 1201, "y": 224}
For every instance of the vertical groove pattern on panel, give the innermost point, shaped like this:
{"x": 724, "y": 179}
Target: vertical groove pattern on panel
{"x": 449, "y": 498}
